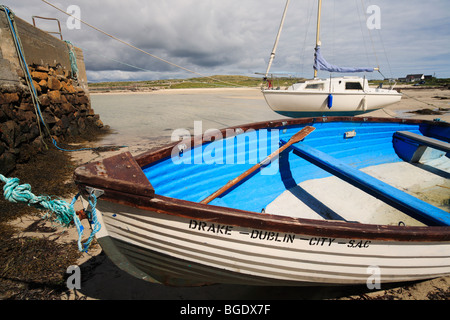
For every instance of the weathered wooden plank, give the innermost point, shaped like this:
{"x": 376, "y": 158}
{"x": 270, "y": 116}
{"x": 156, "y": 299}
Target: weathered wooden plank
{"x": 119, "y": 172}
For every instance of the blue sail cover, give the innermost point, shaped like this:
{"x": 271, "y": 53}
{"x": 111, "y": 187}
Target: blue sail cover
{"x": 321, "y": 64}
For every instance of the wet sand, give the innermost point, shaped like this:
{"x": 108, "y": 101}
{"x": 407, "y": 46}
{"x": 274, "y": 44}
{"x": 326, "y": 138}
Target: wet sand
{"x": 101, "y": 279}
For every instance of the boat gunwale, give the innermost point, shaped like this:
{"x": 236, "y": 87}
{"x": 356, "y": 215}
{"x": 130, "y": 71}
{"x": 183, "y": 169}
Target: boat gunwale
{"x": 159, "y": 153}
{"x": 275, "y": 223}
{"x": 122, "y": 194}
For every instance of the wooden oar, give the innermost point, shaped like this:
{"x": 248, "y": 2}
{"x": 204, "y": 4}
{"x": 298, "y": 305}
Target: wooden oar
{"x": 294, "y": 139}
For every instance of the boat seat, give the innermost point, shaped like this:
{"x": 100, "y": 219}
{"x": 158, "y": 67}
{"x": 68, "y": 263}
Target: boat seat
{"x": 398, "y": 199}
{"x": 411, "y": 146}
{"x": 423, "y": 140}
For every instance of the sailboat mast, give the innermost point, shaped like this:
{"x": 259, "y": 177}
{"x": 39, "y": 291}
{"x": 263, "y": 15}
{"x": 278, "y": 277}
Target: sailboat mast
{"x": 319, "y": 9}
{"x": 272, "y": 55}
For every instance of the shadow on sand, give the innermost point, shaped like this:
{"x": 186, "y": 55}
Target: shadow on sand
{"x": 101, "y": 279}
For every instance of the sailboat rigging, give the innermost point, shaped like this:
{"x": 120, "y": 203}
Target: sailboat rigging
{"x": 331, "y": 96}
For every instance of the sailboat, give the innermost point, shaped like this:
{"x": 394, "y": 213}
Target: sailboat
{"x": 347, "y": 95}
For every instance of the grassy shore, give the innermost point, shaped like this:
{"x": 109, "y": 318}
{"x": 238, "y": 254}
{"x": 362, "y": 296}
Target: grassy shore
{"x": 228, "y": 81}
{"x": 217, "y": 81}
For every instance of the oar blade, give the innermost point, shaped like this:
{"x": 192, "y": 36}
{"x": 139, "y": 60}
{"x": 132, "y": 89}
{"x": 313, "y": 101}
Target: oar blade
{"x": 301, "y": 134}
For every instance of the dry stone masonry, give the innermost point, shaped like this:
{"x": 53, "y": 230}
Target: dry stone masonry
{"x": 65, "y": 108}
{"x": 63, "y": 96}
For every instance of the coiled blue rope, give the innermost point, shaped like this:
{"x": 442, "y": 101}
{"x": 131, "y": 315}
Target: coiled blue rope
{"x": 64, "y": 212}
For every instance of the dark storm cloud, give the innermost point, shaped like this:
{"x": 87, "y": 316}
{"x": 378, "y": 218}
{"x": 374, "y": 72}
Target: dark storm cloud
{"x": 237, "y": 36}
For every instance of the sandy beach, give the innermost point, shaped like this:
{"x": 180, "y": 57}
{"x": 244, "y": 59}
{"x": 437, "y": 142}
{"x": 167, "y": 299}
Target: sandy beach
{"x": 101, "y": 279}
{"x": 413, "y": 99}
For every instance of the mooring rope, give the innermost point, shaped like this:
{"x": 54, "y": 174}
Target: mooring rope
{"x": 73, "y": 59}
{"x": 62, "y": 212}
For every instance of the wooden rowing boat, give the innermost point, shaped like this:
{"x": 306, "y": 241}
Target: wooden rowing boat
{"x": 355, "y": 200}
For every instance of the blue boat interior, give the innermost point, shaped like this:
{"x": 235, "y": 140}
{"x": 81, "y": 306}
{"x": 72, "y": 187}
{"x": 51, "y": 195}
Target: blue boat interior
{"x": 333, "y": 148}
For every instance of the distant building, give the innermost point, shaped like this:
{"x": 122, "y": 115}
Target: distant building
{"x": 415, "y": 77}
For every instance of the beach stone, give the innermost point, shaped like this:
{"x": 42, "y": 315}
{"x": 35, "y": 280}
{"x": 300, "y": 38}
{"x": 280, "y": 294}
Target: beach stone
{"x": 26, "y": 106}
{"x": 71, "y": 116}
{"x": 63, "y": 98}
{"x": 10, "y": 130}
{"x": 57, "y": 130}
{"x": 25, "y": 126}
{"x": 8, "y": 110}
{"x": 61, "y": 78}
{"x": 67, "y": 108}
{"x": 38, "y": 76}
{"x": 56, "y": 138}
{"x": 3, "y": 116}
{"x": 70, "y": 98}
{"x": 99, "y": 123}
{"x": 37, "y": 87}
{"x": 41, "y": 68}
{"x": 53, "y": 83}
{"x": 43, "y": 84}
{"x": 23, "y": 115}
{"x": 81, "y": 123}
{"x": 67, "y": 87}
{"x": 59, "y": 71}
{"x": 38, "y": 144}
{"x": 56, "y": 110}
{"x": 64, "y": 122}
{"x": 34, "y": 131}
{"x": 82, "y": 99}
{"x": 9, "y": 98}
{"x": 49, "y": 118}
{"x": 26, "y": 152}
{"x": 54, "y": 96}
{"x": 44, "y": 100}
{"x": 73, "y": 130}
{"x": 7, "y": 162}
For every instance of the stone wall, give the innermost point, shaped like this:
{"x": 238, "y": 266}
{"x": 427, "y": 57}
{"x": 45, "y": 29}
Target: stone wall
{"x": 65, "y": 108}
{"x": 63, "y": 97}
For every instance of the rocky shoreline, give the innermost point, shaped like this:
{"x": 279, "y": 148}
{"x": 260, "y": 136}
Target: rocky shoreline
{"x": 65, "y": 108}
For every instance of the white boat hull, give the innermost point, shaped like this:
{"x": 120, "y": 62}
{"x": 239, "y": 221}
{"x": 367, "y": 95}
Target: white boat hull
{"x": 183, "y": 251}
{"x": 334, "y": 96}
{"x": 294, "y": 103}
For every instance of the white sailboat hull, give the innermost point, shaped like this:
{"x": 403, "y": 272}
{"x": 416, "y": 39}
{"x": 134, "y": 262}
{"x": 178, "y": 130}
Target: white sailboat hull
{"x": 301, "y": 102}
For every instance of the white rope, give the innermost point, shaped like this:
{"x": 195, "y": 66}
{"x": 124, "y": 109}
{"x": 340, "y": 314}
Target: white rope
{"x": 132, "y": 46}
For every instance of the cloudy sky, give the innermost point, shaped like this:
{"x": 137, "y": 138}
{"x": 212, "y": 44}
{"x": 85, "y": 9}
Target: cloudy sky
{"x": 236, "y": 37}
